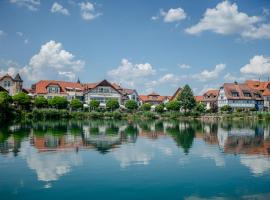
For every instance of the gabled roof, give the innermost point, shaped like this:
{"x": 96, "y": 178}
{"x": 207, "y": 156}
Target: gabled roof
{"x": 3, "y": 89}
{"x": 6, "y": 76}
{"x": 260, "y": 85}
{"x": 177, "y": 92}
{"x": 211, "y": 95}
{"x": 90, "y": 86}
{"x": 152, "y": 97}
{"x": 241, "y": 88}
{"x": 153, "y": 94}
{"x": 18, "y": 78}
{"x": 41, "y": 86}
{"x": 198, "y": 99}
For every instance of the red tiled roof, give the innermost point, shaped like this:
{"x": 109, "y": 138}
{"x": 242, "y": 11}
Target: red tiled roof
{"x": 41, "y": 86}
{"x": 149, "y": 98}
{"x": 240, "y": 88}
{"x": 210, "y": 95}
{"x": 258, "y": 85}
{"x": 199, "y": 98}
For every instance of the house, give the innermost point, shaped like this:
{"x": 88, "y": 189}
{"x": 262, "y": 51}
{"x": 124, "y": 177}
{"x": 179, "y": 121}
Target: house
{"x": 240, "y": 96}
{"x": 264, "y": 87}
{"x": 127, "y": 94}
{"x": 11, "y": 85}
{"x": 199, "y": 99}
{"x": 176, "y": 94}
{"x": 210, "y": 98}
{"x": 154, "y": 98}
{"x": 52, "y": 88}
{"x": 102, "y": 92}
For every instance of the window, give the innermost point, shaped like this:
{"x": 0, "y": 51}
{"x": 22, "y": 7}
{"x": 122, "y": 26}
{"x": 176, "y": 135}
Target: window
{"x": 257, "y": 95}
{"x": 247, "y": 94}
{"x": 235, "y": 94}
{"x": 53, "y": 89}
{"x": 7, "y": 84}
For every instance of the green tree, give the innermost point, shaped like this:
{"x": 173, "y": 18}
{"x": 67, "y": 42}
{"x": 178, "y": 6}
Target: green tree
{"x": 173, "y": 106}
{"x": 112, "y": 104}
{"x": 159, "y": 108}
{"x": 22, "y": 100}
{"x": 41, "y": 102}
{"x": 146, "y": 107}
{"x": 94, "y": 104}
{"x": 200, "y": 107}
{"x": 186, "y": 98}
{"x": 5, "y": 106}
{"x": 58, "y": 102}
{"x": 226, "y": 108}
{"x": 76, "y": 104}
{"x": 131, "y": 105}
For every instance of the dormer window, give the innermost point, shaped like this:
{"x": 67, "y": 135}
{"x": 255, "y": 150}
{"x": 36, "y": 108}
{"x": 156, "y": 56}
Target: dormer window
{"x": 257, "y": 95}
{"x": 247, "y": 94}
{"x": 235, "y": 94}
{"x": 53, "y": 89}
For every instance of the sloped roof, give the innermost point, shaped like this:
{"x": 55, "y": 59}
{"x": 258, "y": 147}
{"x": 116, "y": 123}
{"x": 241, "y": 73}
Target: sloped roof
{"x": 18, "y": 78}
{"x": 240, "y": 88}
{"x": 41, "y": 86}
{"x": 210, "y": 95}
{"x": 198, "y": 98}
{"x": 259, "y": 85}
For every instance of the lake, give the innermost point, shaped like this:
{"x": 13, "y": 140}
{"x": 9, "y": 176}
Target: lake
{"x": 110, "y": 159}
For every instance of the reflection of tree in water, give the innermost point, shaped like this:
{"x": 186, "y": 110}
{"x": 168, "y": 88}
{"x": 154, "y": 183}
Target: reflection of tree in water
{"x": 159, "y": 126}
{"x": 145, "y": 125}
{"x": 130, "y": 133}
{"x": 183, "y": 136}
{"x": 112, "y": 130}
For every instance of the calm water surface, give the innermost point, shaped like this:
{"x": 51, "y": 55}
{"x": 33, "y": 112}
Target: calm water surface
{"x": 135, "y": 160}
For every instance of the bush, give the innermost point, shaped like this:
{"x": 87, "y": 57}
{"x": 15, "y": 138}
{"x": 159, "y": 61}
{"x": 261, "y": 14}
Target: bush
{"x": 112, "y": 104}
{"x": 200, "y": 107}
{"x": 146, "y": 107}
{"x": 5, "y": 106}
{"x": 22, "y": 100}
{"x": 58, "y": 102}
{"x": 131, "y": 105}
{"x": 159, "y": 108}
{"x": 41, "y": 102}
{"x": 96, "y": 115}
{"x": 149, "y": 115}
{"x": 226, "y": 108}
{"x": 173, "y": 106}
{"x": 94, "y": 104}
{"x": 76, "y": 104}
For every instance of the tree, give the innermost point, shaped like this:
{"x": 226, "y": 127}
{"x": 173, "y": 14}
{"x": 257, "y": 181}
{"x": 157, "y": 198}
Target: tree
{"x": 41, "y": 102}
{"x": 58, "y": 102}
{"x": 159, "y": 108}
{"x": 22, "y": 100}
{"x": 186, "y": 98}
{"x": 146, "y": 107}
{"x": 76, "y": 104}
{"x": 94, "y": 104}
{"x": 131, "y": 105}
{"x": 112, "y": 104}
{"x": 200, "y": 107}
{"x": 5, "y": 102}
{"x": 173, "y": 105}
{"x": 226, "y": 108}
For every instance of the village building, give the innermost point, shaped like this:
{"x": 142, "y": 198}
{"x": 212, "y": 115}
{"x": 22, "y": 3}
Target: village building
{"x": 154, "y": 99}
{"x": 199, "y": 99}
{"x": 10, "y": 84}
{"x": 264, "y": 88}
{"x": 52, "y": 88}
{"x": 210, "y": 98}
{"x": 101, "y": 92}
{"x": 176, "y": 94}
{"x": 240, "y": 96}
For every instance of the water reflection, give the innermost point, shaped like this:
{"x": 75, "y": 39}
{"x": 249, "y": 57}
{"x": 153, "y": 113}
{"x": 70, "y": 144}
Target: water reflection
{"x": 52, "y": 149}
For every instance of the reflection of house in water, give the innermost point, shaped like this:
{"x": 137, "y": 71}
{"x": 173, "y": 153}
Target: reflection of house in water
{"x": 244, "y": 141}
{"x": 151, "y": 130}
{"x": 210, "y": 133}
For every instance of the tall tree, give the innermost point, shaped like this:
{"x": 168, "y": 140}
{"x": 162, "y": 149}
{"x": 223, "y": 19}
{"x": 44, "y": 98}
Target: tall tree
{"x": 112, "y": 104}
{"x": 186, "y": 99}
{"x": 22, "y": 100}
{"x": 76, "y": 104}
{"x": 94, "y": 104}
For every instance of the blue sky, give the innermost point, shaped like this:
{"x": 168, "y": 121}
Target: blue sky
{"x": 148, "y": 45}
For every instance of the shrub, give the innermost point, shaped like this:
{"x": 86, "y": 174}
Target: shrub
{"x": 58, "y": 102}
{"x": 226, "y": 108}
{"x": 200, "y": 107}
{"x": 112, "y": 104}
{"x": 131, "y": 105}
{"x": 41, "y": 102}
{"x": 94, "y": 104}
{"x": 173, "y": 106}
{"x": 159, "y": 108}
{"x": 22, "y": 100}
{"x": 146, "y": 107}
{"x": 76, "y": 104}
{"x": 149, "y": 114}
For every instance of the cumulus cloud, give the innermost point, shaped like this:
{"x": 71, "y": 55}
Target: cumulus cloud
{"x": 258, "y": 65}
{"x": 207, "y": 75}
{"x": 184, "y": 66}
{"x": 52, "y": 61}
{"x": 58, "y": 8}
{"x": 172, "y": 15}
{"x": 9, "y": 67}
{"x": 32, "y": 5}
{"x": 88, "y": 11}
{"x": 129, "y": 74}
{"x": 225, "y": 19}
{"x": 166, "y": 79}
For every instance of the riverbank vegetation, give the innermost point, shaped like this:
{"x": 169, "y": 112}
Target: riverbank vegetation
{"x": 22, "y": 107}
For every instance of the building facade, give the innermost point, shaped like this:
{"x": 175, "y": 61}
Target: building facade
{"x": 154, "y": 98}
{"x": 240, "y": 96}
{"x": 11, "y": 85}
{"x": 210, "y": 99}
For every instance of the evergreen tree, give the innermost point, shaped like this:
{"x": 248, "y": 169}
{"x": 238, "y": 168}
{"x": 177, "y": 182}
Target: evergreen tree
{"x": 186, "y": 99}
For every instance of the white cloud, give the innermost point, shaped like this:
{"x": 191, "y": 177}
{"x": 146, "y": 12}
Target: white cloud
{"x": 32, "y": 5}
{"x": 51, "y": 62}
{"x": 207, "y": 75}
{"x": 184, "y": 66}
{"x": 9, "y": 67}
{"x": 225, "y": 19}
{"x": 231, "y": 78}
{"x": 167, "y": 79}
{"x": 172, "y": 15}
{"x": 258, "y": 65}
{"x": 25, "y": 40}
{"x": 2, "y": 33}
{"x": 129, "y": 73}
{"x": 19, "y": 34}
{"x": 58, "y": 8}
{"x": 88, "y": 11}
